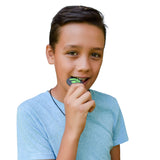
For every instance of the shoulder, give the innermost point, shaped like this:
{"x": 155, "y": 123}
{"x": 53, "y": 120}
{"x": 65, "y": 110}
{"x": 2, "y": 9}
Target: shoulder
{"x": 101, "y": 95}
{"x": 34, "y": 103}
{"x": 104, "y": 98}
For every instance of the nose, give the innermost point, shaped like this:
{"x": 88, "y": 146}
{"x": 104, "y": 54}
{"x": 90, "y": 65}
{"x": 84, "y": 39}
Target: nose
{"x": 83, "y": 64}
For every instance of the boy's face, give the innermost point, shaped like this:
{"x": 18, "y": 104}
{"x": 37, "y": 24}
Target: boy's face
{"x": 78, "y": 53}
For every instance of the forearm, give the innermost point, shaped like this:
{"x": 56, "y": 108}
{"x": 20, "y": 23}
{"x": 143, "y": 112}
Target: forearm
{"x": 68, "y": 147}
{"x": 78, "y": 102}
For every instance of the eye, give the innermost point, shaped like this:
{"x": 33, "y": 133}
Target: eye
{"x": 72, "y": 53}
{"x": 96, "y": 55}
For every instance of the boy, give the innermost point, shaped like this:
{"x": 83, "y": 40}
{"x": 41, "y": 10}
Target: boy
{"x": 72, "y": 122}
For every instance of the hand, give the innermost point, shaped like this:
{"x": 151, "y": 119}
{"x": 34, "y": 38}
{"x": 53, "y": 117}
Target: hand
{"x": 78, "y": 102}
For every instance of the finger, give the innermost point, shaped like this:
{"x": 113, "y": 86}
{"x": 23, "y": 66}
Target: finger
{"x": 92, "y": 109}
{"x": 79, "y": 91}
{"x": 72, "y": 88}
{"x": 90, "y": 105}
{"x": 85, "y": 97}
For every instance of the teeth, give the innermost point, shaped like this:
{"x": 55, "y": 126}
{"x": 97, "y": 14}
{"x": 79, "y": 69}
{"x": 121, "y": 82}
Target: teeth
{"x": 82, "y": 79}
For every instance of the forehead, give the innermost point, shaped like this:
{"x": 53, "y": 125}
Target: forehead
{"x": 81, "y": 34}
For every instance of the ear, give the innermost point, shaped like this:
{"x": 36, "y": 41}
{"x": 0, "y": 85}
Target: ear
{"x": 50, "y": 54}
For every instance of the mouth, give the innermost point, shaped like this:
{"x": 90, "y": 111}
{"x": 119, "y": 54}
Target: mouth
{"x": 82, "y": 79}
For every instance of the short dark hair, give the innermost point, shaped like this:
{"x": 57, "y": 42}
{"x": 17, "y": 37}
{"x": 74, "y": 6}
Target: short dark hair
{"x": 77, "y": 14}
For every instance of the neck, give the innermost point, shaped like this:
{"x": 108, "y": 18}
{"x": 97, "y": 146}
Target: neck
{"x": 57, "y": 94}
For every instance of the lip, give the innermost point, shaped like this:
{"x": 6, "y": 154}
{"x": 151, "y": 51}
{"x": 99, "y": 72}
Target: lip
{"x": 83, "y": 79}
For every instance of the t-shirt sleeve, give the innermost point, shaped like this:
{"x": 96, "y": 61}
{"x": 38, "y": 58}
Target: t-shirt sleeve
{"x": 119, "y": 129}
{"x": 31, "y": 137}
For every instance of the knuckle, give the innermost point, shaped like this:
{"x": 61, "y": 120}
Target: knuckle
{"x": 66, "y": 102}
{"x": 89, "y": 94}
{"x": 81, "y": 86}
{"x": 93, "y": 103}
{"x": 81, "y": 109}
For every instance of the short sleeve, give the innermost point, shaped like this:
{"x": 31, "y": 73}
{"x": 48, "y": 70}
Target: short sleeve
{"x": 119, "y": 130}
{"x": 31, "y": 137}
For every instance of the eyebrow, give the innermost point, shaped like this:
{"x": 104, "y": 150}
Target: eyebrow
{"x": 79, "y": 47}
{"x": 71, "y": 46}
{"x": 98, "y": 49}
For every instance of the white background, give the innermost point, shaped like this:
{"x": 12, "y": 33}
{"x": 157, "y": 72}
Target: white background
{"x": 130, "y": 70}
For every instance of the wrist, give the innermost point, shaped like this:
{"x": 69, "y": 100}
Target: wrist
{"x": 71, "y": 135}
{"x": 69, "y": 146}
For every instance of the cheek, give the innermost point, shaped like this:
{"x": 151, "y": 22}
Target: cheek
{"x": 96, "y": 68}
{"x": 63, "y": 67}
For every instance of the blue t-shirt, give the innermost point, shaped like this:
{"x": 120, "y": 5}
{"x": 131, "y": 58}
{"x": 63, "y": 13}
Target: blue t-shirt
{"x": 40, "y": 127}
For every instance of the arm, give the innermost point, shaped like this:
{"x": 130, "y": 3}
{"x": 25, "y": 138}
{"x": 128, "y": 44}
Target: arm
{"x": 115, "y": 153}
{"x": 68, "y": 148}
{"x": 78, "y": 103}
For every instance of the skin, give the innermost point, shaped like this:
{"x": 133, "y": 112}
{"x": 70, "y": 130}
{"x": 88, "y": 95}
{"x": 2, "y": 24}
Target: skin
{"x": 78, "y": 53}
